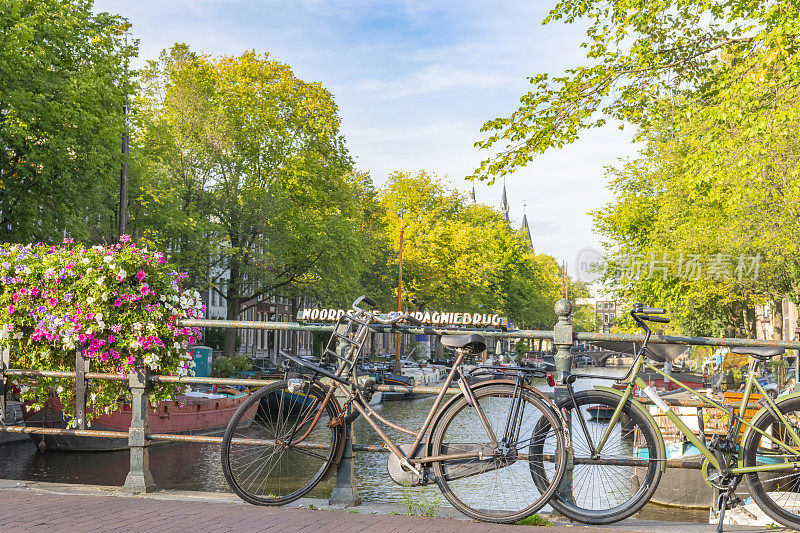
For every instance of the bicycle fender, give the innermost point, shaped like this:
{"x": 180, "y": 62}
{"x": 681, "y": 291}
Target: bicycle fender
{"x": 638, "y": 406}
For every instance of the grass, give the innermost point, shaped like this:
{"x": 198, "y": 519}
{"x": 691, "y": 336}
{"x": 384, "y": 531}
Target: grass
{"x": 535, "y": 520}
{"x": 312, "y": 507}
{"x": 418, "y": 504}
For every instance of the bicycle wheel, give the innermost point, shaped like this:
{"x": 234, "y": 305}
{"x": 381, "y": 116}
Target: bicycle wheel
{"x": 606, "y": 493}
{"x": 497, "y": 487}
{"x": 777, "y": 492}
{"x": 273, "y": 451}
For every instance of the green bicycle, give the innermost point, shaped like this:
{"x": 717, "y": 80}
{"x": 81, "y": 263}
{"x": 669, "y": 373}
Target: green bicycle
{"x": 609, "y": 449}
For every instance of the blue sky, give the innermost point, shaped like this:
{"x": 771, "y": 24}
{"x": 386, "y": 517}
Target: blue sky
{"x": 414, "y": 82}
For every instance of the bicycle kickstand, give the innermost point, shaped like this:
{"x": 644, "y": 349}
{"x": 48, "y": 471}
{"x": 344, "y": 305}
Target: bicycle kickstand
{"x": 723, "y": 504}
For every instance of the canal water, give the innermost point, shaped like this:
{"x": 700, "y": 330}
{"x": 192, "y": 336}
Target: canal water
{"x": 196, "y": 467}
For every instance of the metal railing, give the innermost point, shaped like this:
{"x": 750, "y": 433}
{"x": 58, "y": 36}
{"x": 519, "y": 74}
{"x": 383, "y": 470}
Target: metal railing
{"x": 139, "y": 436}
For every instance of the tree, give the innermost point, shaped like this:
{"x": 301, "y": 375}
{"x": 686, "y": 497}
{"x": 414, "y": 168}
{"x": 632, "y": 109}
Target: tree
{"x": 62, "y": 87}
{"x": 258, "y": 182}
{"x": 638, "y": 52}
{"x": 462, "y": 256}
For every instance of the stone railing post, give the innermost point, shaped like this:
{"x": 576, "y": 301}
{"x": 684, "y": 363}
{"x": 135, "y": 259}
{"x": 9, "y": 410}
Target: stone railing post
{"x": 344, "y": 491}
{"x": 563, "y": 337}
{"x": 81, "y": 368}
{"x": 139, "y": 477}
{"x": 5, "y": 361}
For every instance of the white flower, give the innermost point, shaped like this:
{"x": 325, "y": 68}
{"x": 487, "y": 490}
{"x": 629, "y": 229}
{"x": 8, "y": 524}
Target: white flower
{"x": 85, "y": 260}
{"x": 100, "y": 280}
{"x": 99, "y": 317}
{"x": 122, "y": 273}
{"x": 108, "y": 258}
{"x": 60, "y": 390}
{"x": 90, "y": 300}
{"x": 89, "y": 331}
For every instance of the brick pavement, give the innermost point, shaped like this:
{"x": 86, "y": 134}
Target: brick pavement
{"x": 32, "y": 510}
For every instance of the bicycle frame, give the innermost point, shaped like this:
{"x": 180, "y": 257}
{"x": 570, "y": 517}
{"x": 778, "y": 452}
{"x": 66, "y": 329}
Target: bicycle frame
{"x": 345, "y": 379}
{"x": 735, "y": 425}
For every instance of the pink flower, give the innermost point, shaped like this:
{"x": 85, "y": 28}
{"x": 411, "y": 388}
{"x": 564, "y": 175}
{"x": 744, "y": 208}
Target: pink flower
{"x": 89, "y": 316}
{"x": 124, "y": 238}
{"x": 111, "y": 338}
{"x": 15, "y": 297}
{"x": 145, "y": 291}
{"x": 104, "y": 356}
{"x": 115, "y": 354}
{"x": 131, "y": 359}
{"x": 52, "y": 302}
{"x": 140, "y": 275}
{"x": 118, "y": 302}
{"x": 11, "y": 309}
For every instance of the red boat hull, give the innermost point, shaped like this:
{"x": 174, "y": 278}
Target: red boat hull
{"x": 184, "y": 416}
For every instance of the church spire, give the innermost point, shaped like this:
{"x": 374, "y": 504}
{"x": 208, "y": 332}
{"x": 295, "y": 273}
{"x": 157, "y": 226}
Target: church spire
{"x": 525, "y": 228}
{"x": 504, "y": 203}
{"x": 472, "y": 195}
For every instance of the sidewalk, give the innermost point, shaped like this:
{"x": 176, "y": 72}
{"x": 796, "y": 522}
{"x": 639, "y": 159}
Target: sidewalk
{"x": 52, "y": 507}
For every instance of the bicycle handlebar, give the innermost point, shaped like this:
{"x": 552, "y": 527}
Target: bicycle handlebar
{"x": 393, "y": 318}
{"x": 661, "y": 319}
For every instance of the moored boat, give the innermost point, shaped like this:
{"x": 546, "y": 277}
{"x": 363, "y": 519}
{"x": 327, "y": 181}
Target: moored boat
{"x": 193, "y": 413}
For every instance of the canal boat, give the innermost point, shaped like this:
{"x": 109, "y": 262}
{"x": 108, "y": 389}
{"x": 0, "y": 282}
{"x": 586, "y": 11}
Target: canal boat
{"x": 600, "y": 413}
{"x": 193, "y": 413}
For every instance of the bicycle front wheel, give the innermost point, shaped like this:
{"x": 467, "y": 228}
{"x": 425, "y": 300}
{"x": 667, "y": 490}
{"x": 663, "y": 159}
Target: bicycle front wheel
{"x": 608, "y": 487}
{"x": 498, "y": 485}
{"x": 777, "y": 492}
{"x": 279, "y": 444}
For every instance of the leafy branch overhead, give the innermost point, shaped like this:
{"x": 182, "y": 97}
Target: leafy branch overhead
{"x": 639, "y": 53}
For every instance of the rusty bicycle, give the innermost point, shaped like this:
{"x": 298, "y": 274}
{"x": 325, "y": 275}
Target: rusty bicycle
{"x": 477, "y": 446}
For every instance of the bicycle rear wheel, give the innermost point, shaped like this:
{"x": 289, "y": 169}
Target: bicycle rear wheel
{"x": 279, "y": 444}
{"x": 602, "y": 492}
{"x": 498, "y": 487}
{"x": 777, "y": 492}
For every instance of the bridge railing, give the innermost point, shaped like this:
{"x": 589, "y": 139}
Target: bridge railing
{"x": 139, "y": 436}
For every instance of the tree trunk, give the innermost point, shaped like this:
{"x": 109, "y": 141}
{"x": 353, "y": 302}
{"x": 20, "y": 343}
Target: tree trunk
{"x": 294, "y": 308}
{"x": 749, "y": 318}
{"x": 234, "y": 305}
{"x": 777, "y": 319}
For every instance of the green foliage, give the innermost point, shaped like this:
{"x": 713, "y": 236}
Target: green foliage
{"x": 535, "y": 520}
{"x": 638, "y": 51}
{"x": 228, "y": 367}
{"x": 243, "y": 170}
{"x": 62, "y": 87}
{"x": 118, "y": 305}
{"x": 521, "y": 347}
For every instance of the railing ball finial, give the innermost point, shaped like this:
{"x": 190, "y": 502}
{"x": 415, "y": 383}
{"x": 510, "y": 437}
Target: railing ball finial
{"x": 563, "y": 309}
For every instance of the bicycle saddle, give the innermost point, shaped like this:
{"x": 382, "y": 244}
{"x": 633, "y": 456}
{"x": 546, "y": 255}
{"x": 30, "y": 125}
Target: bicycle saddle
{"x": 762, "y": 352}
{"x": 473, "y": 342}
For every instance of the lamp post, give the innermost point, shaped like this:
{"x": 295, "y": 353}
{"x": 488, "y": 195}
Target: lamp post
{"x": 398, "y": 337}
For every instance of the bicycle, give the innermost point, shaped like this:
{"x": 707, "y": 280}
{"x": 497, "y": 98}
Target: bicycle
{"x": 289, "y": 435}
{"x": 613, "y": 434}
